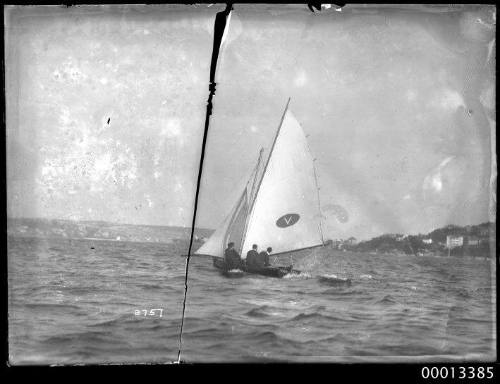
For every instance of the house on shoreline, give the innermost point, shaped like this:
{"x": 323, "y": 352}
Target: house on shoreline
{"x": 473, "y": 240}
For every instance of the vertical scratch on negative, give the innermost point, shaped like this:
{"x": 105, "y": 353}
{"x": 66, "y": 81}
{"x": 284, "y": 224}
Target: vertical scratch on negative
{"x": 220, "y": 31}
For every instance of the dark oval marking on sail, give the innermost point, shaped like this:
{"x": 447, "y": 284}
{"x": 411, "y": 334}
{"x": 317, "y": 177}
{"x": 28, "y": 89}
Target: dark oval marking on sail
{"x": 287, "y": 220}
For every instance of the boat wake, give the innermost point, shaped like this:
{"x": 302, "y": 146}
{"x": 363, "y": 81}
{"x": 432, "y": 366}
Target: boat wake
{"x": 332, "y": 279}
{"x": 297, "y": 276}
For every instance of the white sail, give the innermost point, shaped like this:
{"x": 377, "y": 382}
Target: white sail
{"x": 285, "y": 212}
{"x": 236, "y": 229}
{"x": 233, "y": 226}
{"x": 214, "y": 246}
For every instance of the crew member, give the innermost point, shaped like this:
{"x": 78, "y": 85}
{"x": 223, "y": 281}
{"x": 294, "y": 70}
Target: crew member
{"x": 252, "y": 257}
{"x": 231, "y": 257}
{"x": 263, "y": 260}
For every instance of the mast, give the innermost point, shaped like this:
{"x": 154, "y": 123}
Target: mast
{"x": 271, "y": 150}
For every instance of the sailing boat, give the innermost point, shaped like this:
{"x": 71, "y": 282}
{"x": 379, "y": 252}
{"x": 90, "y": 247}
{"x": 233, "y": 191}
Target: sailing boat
{"x": 279, "y": 206}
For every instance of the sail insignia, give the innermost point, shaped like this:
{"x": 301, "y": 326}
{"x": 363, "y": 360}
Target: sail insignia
{"x": 287, "y": 220}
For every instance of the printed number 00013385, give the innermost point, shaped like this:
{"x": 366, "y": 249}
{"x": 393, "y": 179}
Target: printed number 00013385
{"x": 457, "y": 372}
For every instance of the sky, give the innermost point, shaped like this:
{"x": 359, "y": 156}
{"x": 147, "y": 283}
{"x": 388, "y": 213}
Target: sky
{"x": 398, "y": 106}
{"x": 105, "y": 111}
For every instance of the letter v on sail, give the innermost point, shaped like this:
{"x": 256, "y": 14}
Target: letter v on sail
{"x": 279, "y": 206}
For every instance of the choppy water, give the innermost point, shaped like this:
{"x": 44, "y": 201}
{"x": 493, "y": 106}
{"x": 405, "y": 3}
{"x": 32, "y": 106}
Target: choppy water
{"x": 75, "y": 301}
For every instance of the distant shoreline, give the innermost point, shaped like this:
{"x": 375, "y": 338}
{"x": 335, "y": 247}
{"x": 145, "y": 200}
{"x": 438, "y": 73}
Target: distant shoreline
{"x": 99, "y": 231}
{"x": 17, "y": 236}
{"x": 402, "y": 254}
{"x": 103, "y": 223}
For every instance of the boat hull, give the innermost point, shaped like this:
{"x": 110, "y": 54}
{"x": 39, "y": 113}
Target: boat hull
{"x": 274, "y": 271}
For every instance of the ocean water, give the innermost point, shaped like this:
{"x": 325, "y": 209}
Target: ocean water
{"x": 83, "y": 301}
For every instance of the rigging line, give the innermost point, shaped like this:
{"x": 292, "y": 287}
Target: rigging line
{"x": 221, "y": 20}
{"x": 319, "y": 203}
{"x": 317, "y": 191}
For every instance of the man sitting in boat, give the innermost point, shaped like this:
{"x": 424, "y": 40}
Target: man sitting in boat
{"x": 259, "y": 261}
{"x": 262, "y": 261}
{"x": 252, "y": 258}
{"x": 231, "y": 257}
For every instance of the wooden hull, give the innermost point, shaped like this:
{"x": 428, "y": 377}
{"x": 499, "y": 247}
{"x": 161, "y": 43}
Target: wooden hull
{"x": 277, "y": 271}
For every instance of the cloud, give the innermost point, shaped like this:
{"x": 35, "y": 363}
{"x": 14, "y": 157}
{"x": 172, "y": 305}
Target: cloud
{"x": 437, "y": 183}
{"x": 300, "y": 79}
{"x": 447, "y": 99}
{"x": 434, "y": 180}
{"x": 103, "y": 164}
{"x": 87, "y": 164}
{"x": 411, "y": 95}
{"x": 148, "y": 199}
{"x": 178, "y": 187}
{"x": 487, "y": 97}
{"x": 69, "y": 71}
{"x": 172, "y": 128}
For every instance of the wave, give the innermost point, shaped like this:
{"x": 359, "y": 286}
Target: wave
{"x": 124, "y": 319}
{"x": 265, "y": 311}
{"x": 297, "y": 276}
{"x": 258, "y": 312}
{"x": 52, "y": 306}
{"x": 387, "y": 299}
{"x": 209, "y": 333}
{"x": 332, "y": 279}
{"x": 342, "y": 291}
{"x": 273, "y": 339}
{"x": 316, "y": 316}
{"x": 87, "y": 337}
{"x": 151, "y": 286}
{"x": 86, "y": 290}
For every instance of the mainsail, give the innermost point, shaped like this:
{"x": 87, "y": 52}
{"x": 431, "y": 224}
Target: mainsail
{"x": 279, "y": 206}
